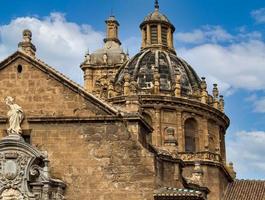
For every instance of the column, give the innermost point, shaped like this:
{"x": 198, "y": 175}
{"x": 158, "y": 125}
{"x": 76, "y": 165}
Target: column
{"x": 148, "y": 34}
{"x": 169, "y": 38}
{"x": 159, "y": 34}
{"x": 143, "y": 38}
{"x": 157, "y": 137}
{"x": 88, "y": 77}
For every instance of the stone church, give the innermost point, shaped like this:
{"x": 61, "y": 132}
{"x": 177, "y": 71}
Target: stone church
{"x": 141, "y": 128}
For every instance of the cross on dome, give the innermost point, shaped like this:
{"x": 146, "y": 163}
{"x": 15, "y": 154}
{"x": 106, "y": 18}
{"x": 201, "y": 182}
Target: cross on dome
{"x": 156, "y": 5}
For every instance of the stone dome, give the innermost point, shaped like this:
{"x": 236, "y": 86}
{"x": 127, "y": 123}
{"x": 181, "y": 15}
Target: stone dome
{"x": 156, "y": 16}
{"x": 143, "y": 67}
{"x": 111, "y": 54}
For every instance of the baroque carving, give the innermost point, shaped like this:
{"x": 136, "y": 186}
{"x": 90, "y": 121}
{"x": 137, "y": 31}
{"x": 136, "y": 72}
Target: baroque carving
{"x": 24, "y": 173}
{"x": 207, "y": 156}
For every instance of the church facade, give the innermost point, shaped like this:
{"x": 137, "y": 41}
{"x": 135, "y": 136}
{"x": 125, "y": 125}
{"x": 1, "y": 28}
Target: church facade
{"x": 141, "y": 128}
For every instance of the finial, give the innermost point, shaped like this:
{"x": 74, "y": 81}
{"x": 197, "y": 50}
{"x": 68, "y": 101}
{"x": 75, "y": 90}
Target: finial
{"x": 156, "y": 5}
{"x": 27, "y": 35}
{"x": 26, "y": 45}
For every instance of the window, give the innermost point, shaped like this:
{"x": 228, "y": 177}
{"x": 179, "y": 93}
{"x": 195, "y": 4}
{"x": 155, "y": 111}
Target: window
{"x": 19, "y": 69}
{"x": 164, "y": 35}
{"x": 154, "y": 34}
{"x": 191, "y": 131}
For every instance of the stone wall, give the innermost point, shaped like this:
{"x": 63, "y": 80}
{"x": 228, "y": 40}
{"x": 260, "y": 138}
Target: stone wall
{"x": 40, "y": 94}
{"x": 96, "y": 160}
{"x": 213, "y": 177}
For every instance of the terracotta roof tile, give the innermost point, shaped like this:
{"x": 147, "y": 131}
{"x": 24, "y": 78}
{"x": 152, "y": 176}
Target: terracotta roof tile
{"x": 245, "y": 190}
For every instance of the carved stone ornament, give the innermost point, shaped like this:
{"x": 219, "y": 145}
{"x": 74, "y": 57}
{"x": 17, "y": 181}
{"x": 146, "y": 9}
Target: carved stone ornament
{"x": 24, "y": 173}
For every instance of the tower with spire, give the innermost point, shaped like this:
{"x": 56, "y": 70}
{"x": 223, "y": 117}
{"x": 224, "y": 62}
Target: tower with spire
{"x": 101, "y": 66}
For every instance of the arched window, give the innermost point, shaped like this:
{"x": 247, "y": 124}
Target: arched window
{"x": 191, "y": 131}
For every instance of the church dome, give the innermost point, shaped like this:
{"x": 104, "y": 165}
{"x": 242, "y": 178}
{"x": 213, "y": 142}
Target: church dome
{"x": 151, "y": 64}
{"x": 156, "y": 16}
{"x": 110, "y": 54}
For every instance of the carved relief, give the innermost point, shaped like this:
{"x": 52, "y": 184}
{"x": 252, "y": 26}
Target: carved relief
{"x": 24, "y": 173}
{"x": 12, "y": 169}
{"x": 11, "y": 194}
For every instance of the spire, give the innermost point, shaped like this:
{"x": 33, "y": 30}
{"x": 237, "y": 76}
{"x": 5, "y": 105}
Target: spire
{"x": 112, "y": 30}
{"x": 156, "y": 5}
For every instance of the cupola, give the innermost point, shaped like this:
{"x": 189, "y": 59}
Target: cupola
{"x": 157, "y": 31}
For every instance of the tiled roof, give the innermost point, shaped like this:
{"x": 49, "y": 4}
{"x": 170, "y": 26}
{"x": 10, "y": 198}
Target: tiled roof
{"x": 245, "y": 190}
{"x": 174, "y": 193}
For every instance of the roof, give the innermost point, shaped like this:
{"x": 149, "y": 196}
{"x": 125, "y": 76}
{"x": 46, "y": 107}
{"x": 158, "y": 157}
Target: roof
{"x": 62, "y": 78}
{"x": 156, "y": 16}
{"x": 142, "y": 71}
{"x": 179, "y": 193}
{"x": 245, "y": 190}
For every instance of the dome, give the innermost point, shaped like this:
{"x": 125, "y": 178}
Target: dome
{"x": 111, "y": 54}
{"x": 143, "y": 67}
{"x": 156, "y": 16}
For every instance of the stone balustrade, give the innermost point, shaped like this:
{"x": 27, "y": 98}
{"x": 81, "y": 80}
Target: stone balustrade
{"x": 204, "y": 155}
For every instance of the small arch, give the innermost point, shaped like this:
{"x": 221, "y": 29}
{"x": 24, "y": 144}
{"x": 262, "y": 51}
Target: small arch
{"x": 191, "y": 132}
{"x": 19, "y": 69}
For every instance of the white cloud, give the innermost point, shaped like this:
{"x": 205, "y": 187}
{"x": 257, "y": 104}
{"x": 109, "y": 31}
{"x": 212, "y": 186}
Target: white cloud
{"x": 59, "y": 43}
{"x": 259, "y": 105}
{"x": 246, "y": 150}
{"x": 132, "y": 44}
{"x": 237, "y": 64}
{"x": 259, "y": 15}
{"x": 207, "y": 33}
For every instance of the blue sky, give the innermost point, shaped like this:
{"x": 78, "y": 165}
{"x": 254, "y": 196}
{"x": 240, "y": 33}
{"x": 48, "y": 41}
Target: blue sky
{"x": 223, "y": 40}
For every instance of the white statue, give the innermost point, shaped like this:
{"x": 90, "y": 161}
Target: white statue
{"x": 87, "y": 58}
{"x": 105, "y": 58}
{"x": 15, "y": 116}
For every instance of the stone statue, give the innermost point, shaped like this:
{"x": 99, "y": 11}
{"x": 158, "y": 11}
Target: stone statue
{"x": 87, "y": 58}
{"x": 105, "y": 58}
{"x": 15, "y": 116}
